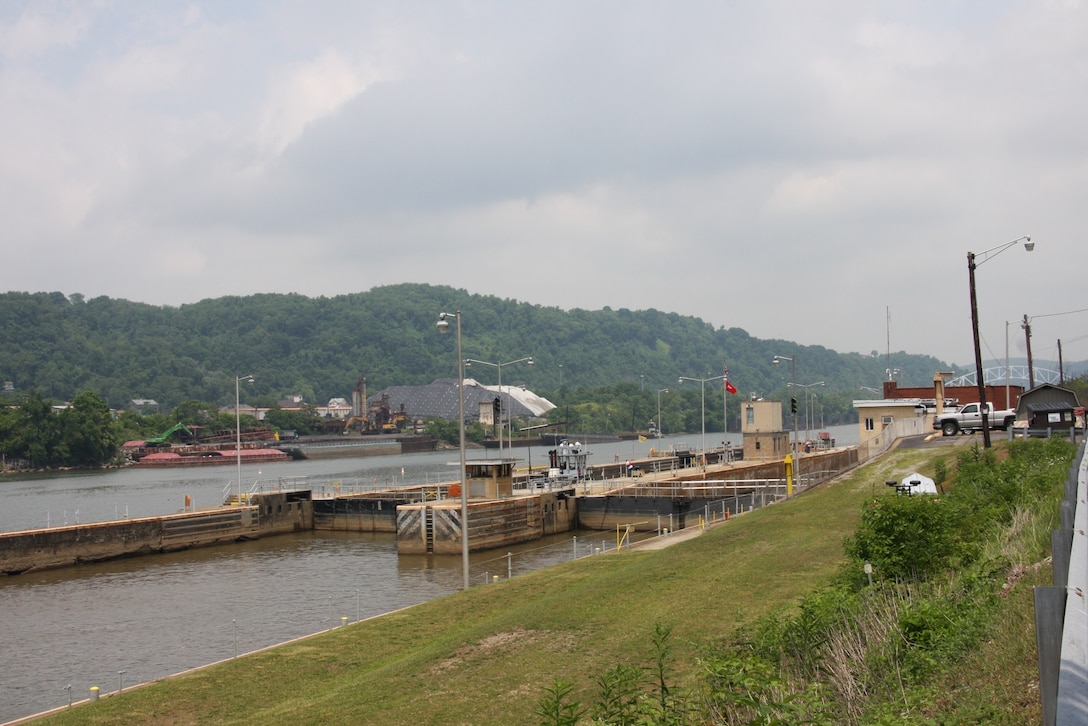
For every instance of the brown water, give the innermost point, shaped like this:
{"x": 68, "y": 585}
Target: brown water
{"x": 158, "y": 615}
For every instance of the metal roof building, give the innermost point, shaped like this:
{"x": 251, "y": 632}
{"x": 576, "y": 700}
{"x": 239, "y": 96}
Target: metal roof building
{"x": 439, "y": 400}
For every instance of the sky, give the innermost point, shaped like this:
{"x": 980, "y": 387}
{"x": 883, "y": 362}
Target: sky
{"x": 807, "y": 171}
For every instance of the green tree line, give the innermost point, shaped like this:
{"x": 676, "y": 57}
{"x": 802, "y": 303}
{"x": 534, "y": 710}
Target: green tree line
{"x": 320, "y": 347}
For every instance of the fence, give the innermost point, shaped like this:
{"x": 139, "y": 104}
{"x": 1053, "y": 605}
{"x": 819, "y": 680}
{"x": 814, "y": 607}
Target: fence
{"x": 1061, "y": 618}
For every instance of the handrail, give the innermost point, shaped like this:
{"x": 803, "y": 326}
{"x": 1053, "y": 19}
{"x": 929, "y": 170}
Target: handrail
{"x": 1072, "y": 703}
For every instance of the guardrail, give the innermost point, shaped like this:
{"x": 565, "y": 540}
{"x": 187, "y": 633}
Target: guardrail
{"x": 1061, "y": 617}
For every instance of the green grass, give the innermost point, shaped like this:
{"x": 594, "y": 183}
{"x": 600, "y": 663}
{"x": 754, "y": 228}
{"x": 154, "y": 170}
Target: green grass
{"x": 486, "y": 656}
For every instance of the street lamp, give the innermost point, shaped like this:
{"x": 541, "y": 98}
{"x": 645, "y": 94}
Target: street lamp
{"x": 238, "y": 428}
{"x": 468, "y": 364}
{"x": 702, "y": 393}
{"x": 972, "y": 263}
{"x": 806, "y": 386}
{"x": 793, "y": 402}
{"x": 443, "y": 327}
{"x": 660, "y": 425}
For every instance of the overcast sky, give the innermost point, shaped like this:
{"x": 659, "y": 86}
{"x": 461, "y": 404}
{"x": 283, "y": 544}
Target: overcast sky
{"x": 811, "y": 171}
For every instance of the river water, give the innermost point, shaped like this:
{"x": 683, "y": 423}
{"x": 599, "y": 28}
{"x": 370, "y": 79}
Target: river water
{"x": 118, "y": 623}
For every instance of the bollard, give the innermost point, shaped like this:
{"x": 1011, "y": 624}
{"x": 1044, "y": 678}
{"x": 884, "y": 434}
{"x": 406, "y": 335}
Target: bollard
{"x": 343, "y": 620}
{"x": 94, "y": 693}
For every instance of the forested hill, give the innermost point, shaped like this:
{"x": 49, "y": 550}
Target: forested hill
{"x": 319, "y": 347}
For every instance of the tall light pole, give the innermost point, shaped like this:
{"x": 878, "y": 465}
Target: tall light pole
{"x": 793, "y": 401}
{"x": 443, "y": 327}
{"x": 702, "y": 392}
{"x": 972, "y": 263}
{"x": 806, "y": 386}
{"x": 660, "y": 426}
{"x": 238, "y": 428}
{"x": 470, "y": 361}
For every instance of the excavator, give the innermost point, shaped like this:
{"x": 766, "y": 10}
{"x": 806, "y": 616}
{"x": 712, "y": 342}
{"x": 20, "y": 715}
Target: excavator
{"x": 163, "y": 438}
{"x": 379, "y": 417}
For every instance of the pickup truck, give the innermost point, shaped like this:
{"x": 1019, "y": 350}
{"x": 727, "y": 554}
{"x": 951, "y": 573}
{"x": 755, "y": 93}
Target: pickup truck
{"x": 967, "y": 418}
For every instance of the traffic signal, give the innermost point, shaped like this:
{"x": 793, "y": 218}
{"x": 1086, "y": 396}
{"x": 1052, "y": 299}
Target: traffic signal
{"x": 793, "y": 405}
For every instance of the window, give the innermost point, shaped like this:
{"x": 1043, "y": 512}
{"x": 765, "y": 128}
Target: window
{"x": 886, "y": 420}
{"x": 869, "y": 424}
{"x": 750, "y": 415}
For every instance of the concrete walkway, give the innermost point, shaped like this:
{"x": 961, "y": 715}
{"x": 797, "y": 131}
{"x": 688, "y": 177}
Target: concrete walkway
{"x": 660, "y": 543}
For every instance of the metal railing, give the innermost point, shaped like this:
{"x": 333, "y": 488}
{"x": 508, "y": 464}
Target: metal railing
{"x": 1061, "y": 616}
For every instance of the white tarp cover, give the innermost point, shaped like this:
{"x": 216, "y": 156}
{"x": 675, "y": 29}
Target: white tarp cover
{"x": 924, "y": 484}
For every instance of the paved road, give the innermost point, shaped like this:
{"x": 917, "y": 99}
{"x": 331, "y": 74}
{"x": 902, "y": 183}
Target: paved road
{"x": 936, "y": 440}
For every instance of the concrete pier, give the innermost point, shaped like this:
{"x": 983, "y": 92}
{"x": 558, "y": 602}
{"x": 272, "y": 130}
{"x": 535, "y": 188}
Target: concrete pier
{"x": 435, "y": 527}
{"x": 427, "y": 519}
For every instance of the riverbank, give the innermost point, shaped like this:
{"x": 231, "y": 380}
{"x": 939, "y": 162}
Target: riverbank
{"x": 508, "y": 641}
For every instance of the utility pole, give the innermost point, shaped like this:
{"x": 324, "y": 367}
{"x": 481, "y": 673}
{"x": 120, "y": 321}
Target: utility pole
{"x": 1026, "y": 325}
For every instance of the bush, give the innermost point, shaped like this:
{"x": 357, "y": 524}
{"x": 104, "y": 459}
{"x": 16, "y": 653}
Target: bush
{"x": 912, "y": 537}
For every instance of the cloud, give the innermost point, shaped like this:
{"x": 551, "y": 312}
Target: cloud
{"x": 795, "y": 171}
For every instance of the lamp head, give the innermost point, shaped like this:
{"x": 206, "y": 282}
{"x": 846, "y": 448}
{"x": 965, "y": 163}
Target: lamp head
{"x": 531, "y": 361}
{"x": 1028, "y": 244}
{"x": 776, "y": 361}
{"x": 443, "y": 325}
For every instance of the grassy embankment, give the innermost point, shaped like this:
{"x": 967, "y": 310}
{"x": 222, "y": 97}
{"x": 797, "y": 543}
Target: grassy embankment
{"x": 485, "y": 656}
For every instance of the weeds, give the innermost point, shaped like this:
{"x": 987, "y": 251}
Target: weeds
{"x": 852, "y": 653}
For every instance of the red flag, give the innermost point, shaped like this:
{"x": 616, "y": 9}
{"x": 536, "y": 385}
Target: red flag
{"x": 730, "y": 387}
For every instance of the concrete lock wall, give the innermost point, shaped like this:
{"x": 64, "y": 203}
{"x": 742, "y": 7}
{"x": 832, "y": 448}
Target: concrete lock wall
{"x": 356, "y": 514}
{"x": 284, "y": 512}
{"x": 74, "y": 544}
{"x": 436, "y": 527}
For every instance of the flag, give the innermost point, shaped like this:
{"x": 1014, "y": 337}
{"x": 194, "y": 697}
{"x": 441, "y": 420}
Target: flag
{"x": 730, "y": 387}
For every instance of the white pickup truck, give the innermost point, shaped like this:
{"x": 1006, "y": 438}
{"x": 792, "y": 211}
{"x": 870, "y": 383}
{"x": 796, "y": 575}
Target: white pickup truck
{"x": 967, "y": 418}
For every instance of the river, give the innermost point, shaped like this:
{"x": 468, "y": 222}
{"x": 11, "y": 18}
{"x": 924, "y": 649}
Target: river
{"x": 129, "y": 621}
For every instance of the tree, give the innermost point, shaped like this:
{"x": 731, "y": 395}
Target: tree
{"x": 88, "y": 435}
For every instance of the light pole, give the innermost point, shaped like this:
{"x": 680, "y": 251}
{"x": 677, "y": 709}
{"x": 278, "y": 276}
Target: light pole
{"x": 660, "y": 425}
{"x": 238, "y": 428}
{"x": 702, "y": 392}
{"x": 443, "y": 327}
{"x": 806, "y": 386}
{"x": 793, "y": 401}
{"x": 468, "y": 364}
{"x": 972, "y": 263}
